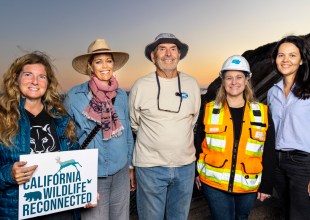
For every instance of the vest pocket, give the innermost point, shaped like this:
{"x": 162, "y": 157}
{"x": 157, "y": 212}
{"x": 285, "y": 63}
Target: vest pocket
{"x": 215, "y": 137}
{"x": 215, "y": 159}
{"x": 215, "y": 128}
{"x": 252, "y": 166}
{"x": 258, "y": 134}
{"x": 255, "y": 143}
{"x": 251, "y": 174}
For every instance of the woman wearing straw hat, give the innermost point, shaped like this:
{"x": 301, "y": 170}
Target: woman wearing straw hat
{"x": 100, "y": 110}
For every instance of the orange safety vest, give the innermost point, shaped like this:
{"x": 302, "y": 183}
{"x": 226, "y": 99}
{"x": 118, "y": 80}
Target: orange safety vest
{"x": 216, "y": 166}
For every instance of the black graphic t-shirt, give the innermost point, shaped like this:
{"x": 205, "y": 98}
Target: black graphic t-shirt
{"x": 43, "y": 136}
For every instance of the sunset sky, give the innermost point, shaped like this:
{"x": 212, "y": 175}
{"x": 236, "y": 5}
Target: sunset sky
{"x": 213, "y": 29}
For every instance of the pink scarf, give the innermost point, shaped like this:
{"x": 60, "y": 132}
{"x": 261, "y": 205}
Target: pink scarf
{"x": 100, "y": 108}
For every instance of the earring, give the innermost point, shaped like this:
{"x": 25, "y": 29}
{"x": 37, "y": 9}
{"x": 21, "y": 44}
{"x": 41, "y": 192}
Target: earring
{"x": 300, "y": 63}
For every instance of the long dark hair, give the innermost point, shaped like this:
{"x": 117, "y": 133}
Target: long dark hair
{"x": 302, "y": 78}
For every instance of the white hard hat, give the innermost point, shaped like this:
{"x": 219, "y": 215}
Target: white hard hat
{"x": 236, "y": 62}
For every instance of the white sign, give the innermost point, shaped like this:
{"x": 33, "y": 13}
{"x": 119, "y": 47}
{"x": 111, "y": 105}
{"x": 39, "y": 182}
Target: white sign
{"x": 62, "y": 181}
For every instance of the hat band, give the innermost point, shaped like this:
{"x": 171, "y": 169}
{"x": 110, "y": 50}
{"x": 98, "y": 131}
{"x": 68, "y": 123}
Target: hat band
{"x": 103, "y": 50}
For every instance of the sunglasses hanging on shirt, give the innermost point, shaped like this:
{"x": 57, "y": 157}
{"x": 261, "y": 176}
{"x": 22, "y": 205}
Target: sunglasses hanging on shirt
{"x": 177, "y": 94}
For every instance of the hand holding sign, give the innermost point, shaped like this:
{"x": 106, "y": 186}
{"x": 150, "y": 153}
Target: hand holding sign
{"x": 90, "y": 205}
{"x": 22, "y": 174}
{"x": 62, "y": 181}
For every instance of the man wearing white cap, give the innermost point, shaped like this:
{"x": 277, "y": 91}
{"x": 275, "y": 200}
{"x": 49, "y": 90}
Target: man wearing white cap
{"x": 164, "y": 106}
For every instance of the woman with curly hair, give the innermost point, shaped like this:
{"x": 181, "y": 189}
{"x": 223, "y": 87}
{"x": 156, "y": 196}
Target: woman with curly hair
{"x": 32, "y": 120}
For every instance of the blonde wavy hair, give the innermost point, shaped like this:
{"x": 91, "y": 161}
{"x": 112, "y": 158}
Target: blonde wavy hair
{"x": 10, "y": 97}
{"x": 248, "y": 93}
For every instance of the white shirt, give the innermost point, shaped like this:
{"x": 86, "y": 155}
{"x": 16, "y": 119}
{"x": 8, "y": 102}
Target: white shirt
{"x": 164, "y": 138}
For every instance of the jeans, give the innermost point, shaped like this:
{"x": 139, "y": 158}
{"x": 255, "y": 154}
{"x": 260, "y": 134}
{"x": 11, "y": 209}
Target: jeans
{"x": 164, "y": 192}
{"x": 292, "y": 178}
{"x": 114, "y": 196}
{"x": 228, "y": 206}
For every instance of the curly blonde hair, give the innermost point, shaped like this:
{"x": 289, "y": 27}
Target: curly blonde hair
{"x": 10, "y": 98}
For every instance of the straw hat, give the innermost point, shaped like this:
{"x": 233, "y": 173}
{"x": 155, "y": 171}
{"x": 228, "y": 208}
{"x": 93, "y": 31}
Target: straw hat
{"x": 166, "y": 38}
{"x": 99, "y": 46}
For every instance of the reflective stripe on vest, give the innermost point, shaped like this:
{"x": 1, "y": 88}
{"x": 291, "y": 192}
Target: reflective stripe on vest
{"x": 218, "y": 175}
{"x": 256, "y": 115}
{"x": 217, "y": 142}
{"x": 216, "y": 117}
{"x": 255, "y": 147}
{"x": 221, "y": 176}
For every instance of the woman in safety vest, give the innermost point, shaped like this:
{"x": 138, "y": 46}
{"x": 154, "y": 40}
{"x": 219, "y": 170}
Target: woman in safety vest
{"x": 236, "y": 165}
{"x": 289, "y": 102}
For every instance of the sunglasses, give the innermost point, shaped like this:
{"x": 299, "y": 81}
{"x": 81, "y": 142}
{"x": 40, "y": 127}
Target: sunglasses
{"x": 177, "y": 94}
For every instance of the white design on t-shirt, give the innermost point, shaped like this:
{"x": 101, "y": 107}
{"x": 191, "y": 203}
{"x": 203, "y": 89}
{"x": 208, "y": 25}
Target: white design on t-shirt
{"x": 41, "y": 139}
